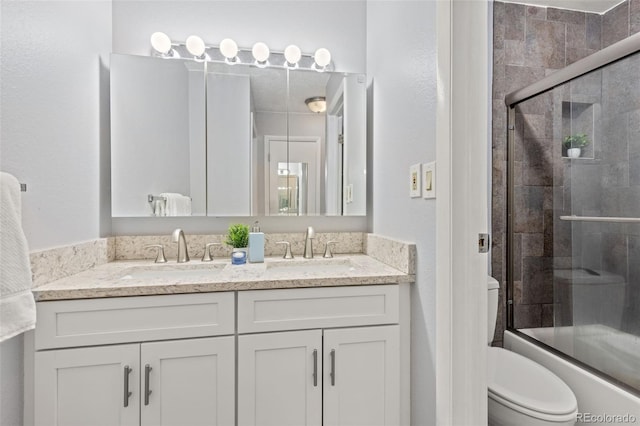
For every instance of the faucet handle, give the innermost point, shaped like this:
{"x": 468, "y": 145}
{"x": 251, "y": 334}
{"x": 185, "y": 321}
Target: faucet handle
{"x": 327, "y": 249}
{"x": 206, "y": 256}
{"x": 287, "y": 253}
{"x": 160, "y": 256}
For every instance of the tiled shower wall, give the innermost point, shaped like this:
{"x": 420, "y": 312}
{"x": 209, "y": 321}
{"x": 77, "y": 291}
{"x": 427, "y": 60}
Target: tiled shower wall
{"x": 529, "y": 43}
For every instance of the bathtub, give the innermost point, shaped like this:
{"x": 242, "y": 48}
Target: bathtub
{"x": 599, "y": 401}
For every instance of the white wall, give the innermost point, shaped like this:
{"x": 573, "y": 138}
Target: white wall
{"x": 401, "y": 57}
{"x": 54, "y": 135}
{"x": 55, "y": 116}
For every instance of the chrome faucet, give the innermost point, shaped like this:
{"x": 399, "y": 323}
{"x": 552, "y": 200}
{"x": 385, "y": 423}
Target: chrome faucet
{"x": 183, "y": 253}
{"x": 308, "y": 243}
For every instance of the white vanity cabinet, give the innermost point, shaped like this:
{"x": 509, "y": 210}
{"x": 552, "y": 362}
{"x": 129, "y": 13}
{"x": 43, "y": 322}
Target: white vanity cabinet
{"x": 326, "y": 374}
{"x": 187, "y": 380}
{"x": 333, "y": 356}
{"x": 86, "y": 386}
{"x": 279, "y": 378}
{"x": 179, "y": 382}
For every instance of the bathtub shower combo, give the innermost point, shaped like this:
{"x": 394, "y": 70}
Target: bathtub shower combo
{"x": 573, "y": 274}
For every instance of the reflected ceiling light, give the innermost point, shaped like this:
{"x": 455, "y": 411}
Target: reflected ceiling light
{"x": 292, "y": 55}
{"x": 229, "y": 50}
{"x": 317, "y": 104}
{"x": 195, "y": 46}
{"x": 161, "y": 43}
{"x": 261, "y": 53}
{"x": 322, "y": 58}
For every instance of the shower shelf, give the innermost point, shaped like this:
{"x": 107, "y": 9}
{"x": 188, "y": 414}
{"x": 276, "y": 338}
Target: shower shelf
{"x": 601, "y": 219}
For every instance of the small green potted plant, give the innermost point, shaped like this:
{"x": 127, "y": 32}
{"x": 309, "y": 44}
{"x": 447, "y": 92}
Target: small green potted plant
{"x": 574, "y": 144}
{"x": 238, "y": 238}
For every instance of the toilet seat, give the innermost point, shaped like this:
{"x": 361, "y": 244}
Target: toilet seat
{"x": 529, "y": 388}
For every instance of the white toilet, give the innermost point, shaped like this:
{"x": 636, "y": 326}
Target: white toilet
{"x": 522, "y": 392}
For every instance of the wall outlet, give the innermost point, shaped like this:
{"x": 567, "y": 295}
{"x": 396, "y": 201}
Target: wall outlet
{"x": 414, "y": 181}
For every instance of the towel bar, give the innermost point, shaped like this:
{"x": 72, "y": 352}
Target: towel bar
{"x": 601, "y": 219}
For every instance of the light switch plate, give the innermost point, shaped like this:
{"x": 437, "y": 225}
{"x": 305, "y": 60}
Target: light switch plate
{"x": 414, "y": 181}
{"x": 429, "y": 180}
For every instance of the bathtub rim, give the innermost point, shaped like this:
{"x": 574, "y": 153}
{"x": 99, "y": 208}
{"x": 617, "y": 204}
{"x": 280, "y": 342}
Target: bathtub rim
{"x": 572, "y": 361}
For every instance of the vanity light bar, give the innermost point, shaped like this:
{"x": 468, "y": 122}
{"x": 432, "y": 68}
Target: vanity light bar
{"x": 228, "y": 51}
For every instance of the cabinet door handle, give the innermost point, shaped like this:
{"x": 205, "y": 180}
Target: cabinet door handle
{"x": 332, "y": 373}
{"x": 147, "y": 391}
{"x": 127, "y": 393}
{"x": 315, "y": 367}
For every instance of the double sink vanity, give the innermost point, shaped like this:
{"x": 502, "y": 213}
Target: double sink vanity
{"x": 284, "y": 342}
{"x": 126, "y": 341}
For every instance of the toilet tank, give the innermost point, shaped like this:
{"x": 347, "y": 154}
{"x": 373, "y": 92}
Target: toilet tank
{"x": 492, "y": 309}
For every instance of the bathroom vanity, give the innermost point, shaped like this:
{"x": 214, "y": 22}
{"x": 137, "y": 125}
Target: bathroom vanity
{"x": 286, "y": 342}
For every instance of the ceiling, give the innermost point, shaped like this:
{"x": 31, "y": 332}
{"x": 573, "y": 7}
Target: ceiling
{"x": 596, "y": 6}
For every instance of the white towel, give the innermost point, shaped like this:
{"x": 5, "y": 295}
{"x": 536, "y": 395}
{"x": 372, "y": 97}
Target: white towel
{"x": 176, "y": 204}
{"x": 17, "y": 307}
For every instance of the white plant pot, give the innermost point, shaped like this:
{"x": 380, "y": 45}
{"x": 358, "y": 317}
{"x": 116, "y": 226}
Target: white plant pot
{"x": 573, "y": 152}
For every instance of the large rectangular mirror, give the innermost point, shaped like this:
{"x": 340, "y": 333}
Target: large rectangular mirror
{"x": 203, "y": 138}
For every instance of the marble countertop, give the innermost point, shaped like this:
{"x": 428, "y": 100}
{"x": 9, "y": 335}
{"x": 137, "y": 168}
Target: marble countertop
{"x": 143, "y": 277}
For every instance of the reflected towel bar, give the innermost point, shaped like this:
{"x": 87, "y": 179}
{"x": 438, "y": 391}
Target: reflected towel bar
{"x": 152, "y": 198}
{"x": 601, "y": 219}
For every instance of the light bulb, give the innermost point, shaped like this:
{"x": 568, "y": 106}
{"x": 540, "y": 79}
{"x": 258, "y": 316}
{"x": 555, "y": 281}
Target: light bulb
{"x": 260, "y": 52}
{"x": 228, "y": 48}
{"x": 161, "y": 42}
{"x": 292, "y": 54}
{"x": 322, "y": 57}
{"x": 195, "y": 46}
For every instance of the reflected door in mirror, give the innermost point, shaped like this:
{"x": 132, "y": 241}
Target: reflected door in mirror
{"x": 292, "y": 179}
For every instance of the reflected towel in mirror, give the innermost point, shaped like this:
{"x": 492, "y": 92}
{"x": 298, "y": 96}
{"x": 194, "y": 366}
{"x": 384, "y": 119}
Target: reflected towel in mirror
{"x": 176, "y": 204}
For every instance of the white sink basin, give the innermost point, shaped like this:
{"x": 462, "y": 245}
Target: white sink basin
{"x": 309, "y": 266}
{"x": 173, "y": 272}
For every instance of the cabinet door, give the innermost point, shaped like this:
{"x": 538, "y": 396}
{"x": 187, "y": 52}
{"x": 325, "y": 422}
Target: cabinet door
{"x": 279, "y": 379}
{"x": 362, "y": 376}
{"x": 190, "y": 382}
{"x": 87, "y": 386}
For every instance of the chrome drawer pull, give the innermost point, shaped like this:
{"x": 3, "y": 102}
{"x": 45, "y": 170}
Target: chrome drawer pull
{"x": 332, "y": 374}
{"x": 147, "y": 391}
{"x": 315, "y": 367}
{"x": 127, "y": 393}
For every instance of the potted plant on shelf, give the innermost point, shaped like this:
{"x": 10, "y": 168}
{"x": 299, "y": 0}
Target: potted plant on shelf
{"x": 238, "y": 238}
{"x": 574, "y": 144}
